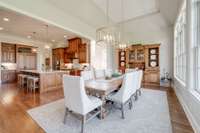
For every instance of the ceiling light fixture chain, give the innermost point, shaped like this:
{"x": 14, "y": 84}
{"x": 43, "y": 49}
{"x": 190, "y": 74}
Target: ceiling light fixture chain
{"x": 108, "y": 35}
{"x": 122, "y": 44}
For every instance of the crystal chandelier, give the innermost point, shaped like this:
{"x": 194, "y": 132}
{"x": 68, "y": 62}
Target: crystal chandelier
{"x": 122, "y": 45}
{"x": 108, "y": 35}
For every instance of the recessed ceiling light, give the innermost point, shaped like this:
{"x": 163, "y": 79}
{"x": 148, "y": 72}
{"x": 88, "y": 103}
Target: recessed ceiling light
{"x": 6, "y": 19}
{"x": 28, "y": 37}
{"x": 47, "y": 47}
{"x": 53, "y": 40}
{"x": 65, "y": 36}
{"x": 1, "y": 28}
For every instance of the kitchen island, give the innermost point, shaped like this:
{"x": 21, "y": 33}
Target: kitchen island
{"x": 48, "y": 80}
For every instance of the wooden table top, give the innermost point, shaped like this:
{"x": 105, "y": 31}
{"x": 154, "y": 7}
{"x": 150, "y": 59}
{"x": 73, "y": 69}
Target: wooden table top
{"x": 103, "y": 86}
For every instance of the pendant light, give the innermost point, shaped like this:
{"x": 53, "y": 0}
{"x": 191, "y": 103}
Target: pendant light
{"x": 108, "y": 35}
{"x": 122, "y": 44}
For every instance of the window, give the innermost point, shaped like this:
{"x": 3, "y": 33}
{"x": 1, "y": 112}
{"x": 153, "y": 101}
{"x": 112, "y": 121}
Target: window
{"x": 196, "y": 43}
{"x": 180, "y": 50}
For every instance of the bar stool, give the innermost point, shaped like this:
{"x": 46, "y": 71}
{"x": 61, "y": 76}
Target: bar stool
{"x": 22, "y": 80}
{"x": 32, "y": 83}
{"x": 19, "y": 80}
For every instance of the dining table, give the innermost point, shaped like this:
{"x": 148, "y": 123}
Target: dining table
{"x": 102, "y": 87}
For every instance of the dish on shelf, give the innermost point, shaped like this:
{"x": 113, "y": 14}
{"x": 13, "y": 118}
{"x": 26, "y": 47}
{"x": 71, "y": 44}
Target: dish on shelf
{"x": 153, "y": 51}
{"x": 122, "y": 58}
{"x": 153, "y": 57}
{"x": 122, "y": 64}
{"x": 122, "y": 53}
{"x": 153, "y": 64}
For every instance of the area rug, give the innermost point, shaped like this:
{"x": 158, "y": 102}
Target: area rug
{"x": 150, "y": 114}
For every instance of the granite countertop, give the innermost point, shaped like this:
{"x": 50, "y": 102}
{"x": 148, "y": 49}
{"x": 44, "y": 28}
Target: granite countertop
{"x": 42, "y": 72}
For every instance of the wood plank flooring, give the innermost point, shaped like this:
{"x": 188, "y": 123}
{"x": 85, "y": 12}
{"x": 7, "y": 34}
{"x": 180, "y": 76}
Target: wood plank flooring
{"x": 15, "y": 102}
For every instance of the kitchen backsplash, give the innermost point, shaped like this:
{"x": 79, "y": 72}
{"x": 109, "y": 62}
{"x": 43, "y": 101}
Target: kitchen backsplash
{"x": 9, "y": 66}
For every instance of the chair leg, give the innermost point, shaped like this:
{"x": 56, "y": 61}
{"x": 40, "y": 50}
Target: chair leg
{"x": 122, "y": 110}
{"x": 140, "y": 92}
{"x": 136, "y": 95}
{"x": 101, "y": 112}
{"x": 66, "y": 113}
{"x": 130, "y": 103}
{"x": 83, "y": 123}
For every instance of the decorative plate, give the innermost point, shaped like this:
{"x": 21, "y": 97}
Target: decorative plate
{"x": 122, "y": 63}
{"x": 153, "y": 51}
{"x": 153, "y": 64}
{"x": 122, "y": 58}
{"x": 122, "y": 53}
{"x": 153, "y": 57}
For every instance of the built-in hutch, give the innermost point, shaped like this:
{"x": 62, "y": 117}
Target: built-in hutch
{"x": 145, "y": 57}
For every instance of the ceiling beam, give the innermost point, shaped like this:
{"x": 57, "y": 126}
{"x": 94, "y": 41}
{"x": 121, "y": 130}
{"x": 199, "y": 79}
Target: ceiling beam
{"x": 151, "y": 13}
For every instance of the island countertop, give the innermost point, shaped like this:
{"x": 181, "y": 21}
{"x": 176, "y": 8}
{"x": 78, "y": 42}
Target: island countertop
{"x": 42, "y": 72}
{"x": 48, "y": 80}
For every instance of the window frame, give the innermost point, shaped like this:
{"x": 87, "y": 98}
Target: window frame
{"x": 180, "y": 48}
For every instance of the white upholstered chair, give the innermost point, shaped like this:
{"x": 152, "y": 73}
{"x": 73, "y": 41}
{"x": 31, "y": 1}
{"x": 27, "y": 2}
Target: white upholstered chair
{"x": 127, "y": 90}
{"x": 139, "y": 82}
{"x": 77, "y": 101}
{"x": 87, "y": 75}
{"x": 100, "y": 73}
{"x": 108, "y": 72}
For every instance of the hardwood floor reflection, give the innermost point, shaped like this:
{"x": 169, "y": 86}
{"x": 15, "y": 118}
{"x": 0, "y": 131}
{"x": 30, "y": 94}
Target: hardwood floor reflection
{"x": 15, "y": 102}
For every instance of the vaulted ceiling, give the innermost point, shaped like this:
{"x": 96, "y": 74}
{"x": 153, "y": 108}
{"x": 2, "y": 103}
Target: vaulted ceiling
{"x": 134, "y": 9}
{"x": 84, "y": 17}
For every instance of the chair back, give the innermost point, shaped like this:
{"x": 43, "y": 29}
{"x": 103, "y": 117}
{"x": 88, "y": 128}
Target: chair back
{"x": 100, "y": 73}
{"x": 87, "y": 75}
{"x": 75, "y": 95}
{"x": 129, "y": 86}
{"x": 108, "y": 72}
{"x": 140, "y": 78}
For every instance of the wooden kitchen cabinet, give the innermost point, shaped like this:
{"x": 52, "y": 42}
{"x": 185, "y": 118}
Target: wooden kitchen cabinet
{"x": 82, "y": 53}
{"x": 8, "y": 53}
{"x": 58, "y": 57}
{"x": 74, "y": 45}
{"x": 8, "y": 76}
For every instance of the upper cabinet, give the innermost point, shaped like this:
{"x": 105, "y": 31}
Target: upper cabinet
{"x": 75, "y": 50}
{"x": 74, "y": 45}
{"x": 8, "y": 53}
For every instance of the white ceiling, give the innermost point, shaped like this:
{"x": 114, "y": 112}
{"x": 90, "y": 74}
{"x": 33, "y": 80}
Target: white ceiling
{"x": 23, "y": 26}
{"x": 132, "y": 8}
{"x": 136, "y": 8}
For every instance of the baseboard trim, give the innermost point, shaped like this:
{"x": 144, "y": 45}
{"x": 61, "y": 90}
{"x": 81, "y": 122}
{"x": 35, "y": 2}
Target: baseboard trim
{"x": 189, "y": 115}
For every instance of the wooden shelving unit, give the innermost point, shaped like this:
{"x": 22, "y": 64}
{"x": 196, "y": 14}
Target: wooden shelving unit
{"x": 144, "y": 57}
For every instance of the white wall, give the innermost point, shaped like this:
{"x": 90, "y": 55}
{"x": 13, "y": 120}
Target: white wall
{"x": 153, "y": 29}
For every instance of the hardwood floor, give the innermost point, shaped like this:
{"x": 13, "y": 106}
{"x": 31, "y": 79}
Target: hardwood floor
{"x": 15, "y": 102}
